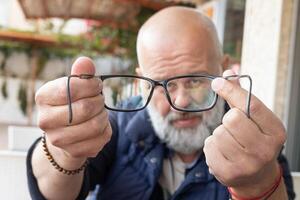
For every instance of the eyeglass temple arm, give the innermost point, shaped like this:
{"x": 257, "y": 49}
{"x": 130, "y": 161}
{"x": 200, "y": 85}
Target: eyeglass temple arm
{"x": 69, "y": 100}
{"x": 248, "y": 100}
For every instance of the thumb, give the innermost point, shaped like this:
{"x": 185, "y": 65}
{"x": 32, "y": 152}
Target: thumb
{"x": 83, "y": 65}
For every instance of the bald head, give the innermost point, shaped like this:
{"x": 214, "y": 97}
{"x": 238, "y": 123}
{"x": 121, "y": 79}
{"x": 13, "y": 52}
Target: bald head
{"x": 175, "y": 32}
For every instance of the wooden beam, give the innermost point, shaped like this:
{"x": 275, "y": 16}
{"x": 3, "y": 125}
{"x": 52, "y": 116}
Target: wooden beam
{"x": 27, "y": 37}
{"x": 149, "y": 3}
{"x": 89, "y": 8}
{"x": 155, "y": 5}
{"x": 69, "y": 9}
{"x": 36, "y": 40}
{"x": 45, "y": 7}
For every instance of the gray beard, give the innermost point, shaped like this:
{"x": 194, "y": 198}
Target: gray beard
{"x": 186, "y": 140}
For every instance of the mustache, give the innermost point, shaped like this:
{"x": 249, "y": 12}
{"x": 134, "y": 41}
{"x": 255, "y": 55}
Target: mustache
{"x": 177, "y": 116}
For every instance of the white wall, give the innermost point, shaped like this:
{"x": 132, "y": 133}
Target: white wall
{"x": 13, "y": 183}
{"x": 296, "y": 177}
{"x": 261, "y": 46}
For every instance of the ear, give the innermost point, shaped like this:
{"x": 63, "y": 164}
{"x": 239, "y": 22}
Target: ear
{"x": 225, "y": 62}
{"x": 138, "y": 71}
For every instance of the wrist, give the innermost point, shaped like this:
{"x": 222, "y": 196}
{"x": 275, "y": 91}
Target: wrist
{"x": 265, "y": 187}
{"x": 63, "y": 159}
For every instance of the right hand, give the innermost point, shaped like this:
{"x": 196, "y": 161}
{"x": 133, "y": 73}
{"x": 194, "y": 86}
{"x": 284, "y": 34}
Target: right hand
{"x": 71, "y": 144}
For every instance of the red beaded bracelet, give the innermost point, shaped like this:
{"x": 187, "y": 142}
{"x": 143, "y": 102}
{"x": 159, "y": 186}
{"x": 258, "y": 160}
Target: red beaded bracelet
{"x": 264, "y": 195}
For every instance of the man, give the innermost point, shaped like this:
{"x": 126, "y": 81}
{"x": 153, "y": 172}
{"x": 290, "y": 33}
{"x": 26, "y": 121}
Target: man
{"x": 176, "y": 155}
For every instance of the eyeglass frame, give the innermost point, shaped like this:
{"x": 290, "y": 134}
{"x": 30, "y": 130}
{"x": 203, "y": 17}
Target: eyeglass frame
{"x": 155, "y": 83}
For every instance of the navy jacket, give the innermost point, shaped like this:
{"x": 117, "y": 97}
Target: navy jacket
{"x": 130, "y": 165}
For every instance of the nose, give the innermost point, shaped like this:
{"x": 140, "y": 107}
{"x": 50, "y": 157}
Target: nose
{"x": 181, "y": 99}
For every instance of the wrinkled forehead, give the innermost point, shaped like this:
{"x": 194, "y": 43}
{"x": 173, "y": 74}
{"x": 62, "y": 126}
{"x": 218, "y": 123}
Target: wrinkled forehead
{"x": 181, "y": 58}
{"x": 182, "y": 51}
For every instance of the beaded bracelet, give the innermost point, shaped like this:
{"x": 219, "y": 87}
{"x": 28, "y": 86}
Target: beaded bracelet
{"x": 264, "y": 195}
{"x": 56, "y": 165}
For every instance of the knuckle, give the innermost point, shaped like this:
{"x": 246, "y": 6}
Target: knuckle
{"x": 263, "y": 155}
{"x": 250, "y": 169}
{"x": 104, "y": 114}
{"x": 229, "y": 87}
{"x": 62, "y": 92}
{"x": 218, "y": 137}
{"x": 77, "y": 154}
{"x": 42, "y": 122}
{"x": 238, "y": 173}
{"x": 85, "y": 108}
{"x": 93, "y": 154}
{"x": 96, "y": 125}
{"x": 38, "y": 97}
{"x": 95, "y": 151}
{"x": 282, "y": 136}
{"x": 100, "y": 85}
{"x": 231, "y": 117}
{"x": 55, "y": 140}
{"x": 107, "y": 134}
{"x": 254, "y": 107}
{"x": 218, "y": 131}
{"x": 207, "y": 143}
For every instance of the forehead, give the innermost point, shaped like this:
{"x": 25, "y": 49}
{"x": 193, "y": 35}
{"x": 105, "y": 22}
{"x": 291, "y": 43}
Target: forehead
{"x": 178, "y": 54}
{"x": 164, "y": 64}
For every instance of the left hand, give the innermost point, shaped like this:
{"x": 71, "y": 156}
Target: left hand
{"x": 242, "y": 152}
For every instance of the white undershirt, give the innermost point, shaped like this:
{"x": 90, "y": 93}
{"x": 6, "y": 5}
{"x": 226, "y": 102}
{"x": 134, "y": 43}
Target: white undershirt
{"x": 171, "y": 179}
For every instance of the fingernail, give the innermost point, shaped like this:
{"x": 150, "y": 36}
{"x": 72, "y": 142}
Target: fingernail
{"x": 217, "y": 84}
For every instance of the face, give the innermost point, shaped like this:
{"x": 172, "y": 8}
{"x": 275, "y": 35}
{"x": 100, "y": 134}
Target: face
{"x": 161, "y": 64}
{"x": 183, "y": 132}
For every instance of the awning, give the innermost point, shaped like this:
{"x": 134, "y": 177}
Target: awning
{"x": 103, "y": 10}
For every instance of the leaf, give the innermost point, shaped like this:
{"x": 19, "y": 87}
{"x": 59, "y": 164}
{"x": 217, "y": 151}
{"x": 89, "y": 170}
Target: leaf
{"x": 4, "y": 89}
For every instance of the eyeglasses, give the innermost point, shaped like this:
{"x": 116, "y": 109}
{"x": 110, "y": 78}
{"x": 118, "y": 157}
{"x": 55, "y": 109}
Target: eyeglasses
{"x": 129, "y": 93}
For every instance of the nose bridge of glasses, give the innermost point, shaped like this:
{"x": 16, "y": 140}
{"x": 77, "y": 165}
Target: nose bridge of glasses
{"x": 161, "y": 84}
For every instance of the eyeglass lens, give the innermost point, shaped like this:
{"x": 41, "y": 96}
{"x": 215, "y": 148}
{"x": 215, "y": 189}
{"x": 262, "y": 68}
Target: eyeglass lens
{"x": 188, "y": 93}
{"x": 191, "y": 93}
{"x": 119, "y": 90}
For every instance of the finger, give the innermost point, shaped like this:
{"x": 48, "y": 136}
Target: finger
{"x": 52, "y": 117}
{"x": 243, "y": 129}
{"x": 91, "y": 147}
{"x": 234, "y": 80}
{"x": 61, "y": 137}
{"x": 259, "y": 113}
{"x": 257, "y": 145}
{"x": 83, "y": 65}
{"x": 229, "y": 73}
{"x": 228, "y": 145}
{"x": 215, "y": 160}
{"x": 55, "y": 92}
{"x": 236, "y": 68}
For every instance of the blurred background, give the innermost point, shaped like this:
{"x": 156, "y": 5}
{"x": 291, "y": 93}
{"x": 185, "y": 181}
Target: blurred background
{"x": 40, "y": 39}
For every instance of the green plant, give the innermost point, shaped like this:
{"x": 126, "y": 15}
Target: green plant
{"x": 4, "y": 89}
{"x": 22, "y": 97}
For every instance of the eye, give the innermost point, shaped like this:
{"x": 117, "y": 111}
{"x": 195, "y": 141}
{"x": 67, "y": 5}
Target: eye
{"x": 171, "y": 86}
{"x": 194, "y": 83}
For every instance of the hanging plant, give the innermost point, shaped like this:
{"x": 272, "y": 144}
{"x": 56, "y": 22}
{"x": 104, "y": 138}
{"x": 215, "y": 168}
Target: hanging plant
{"x": 43, "y": 57}
{"x": 22, "y": 97}
{"x": 2, "y": 66}
{"x": 6, "y": 54}
{"x": 4, "y": 89}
